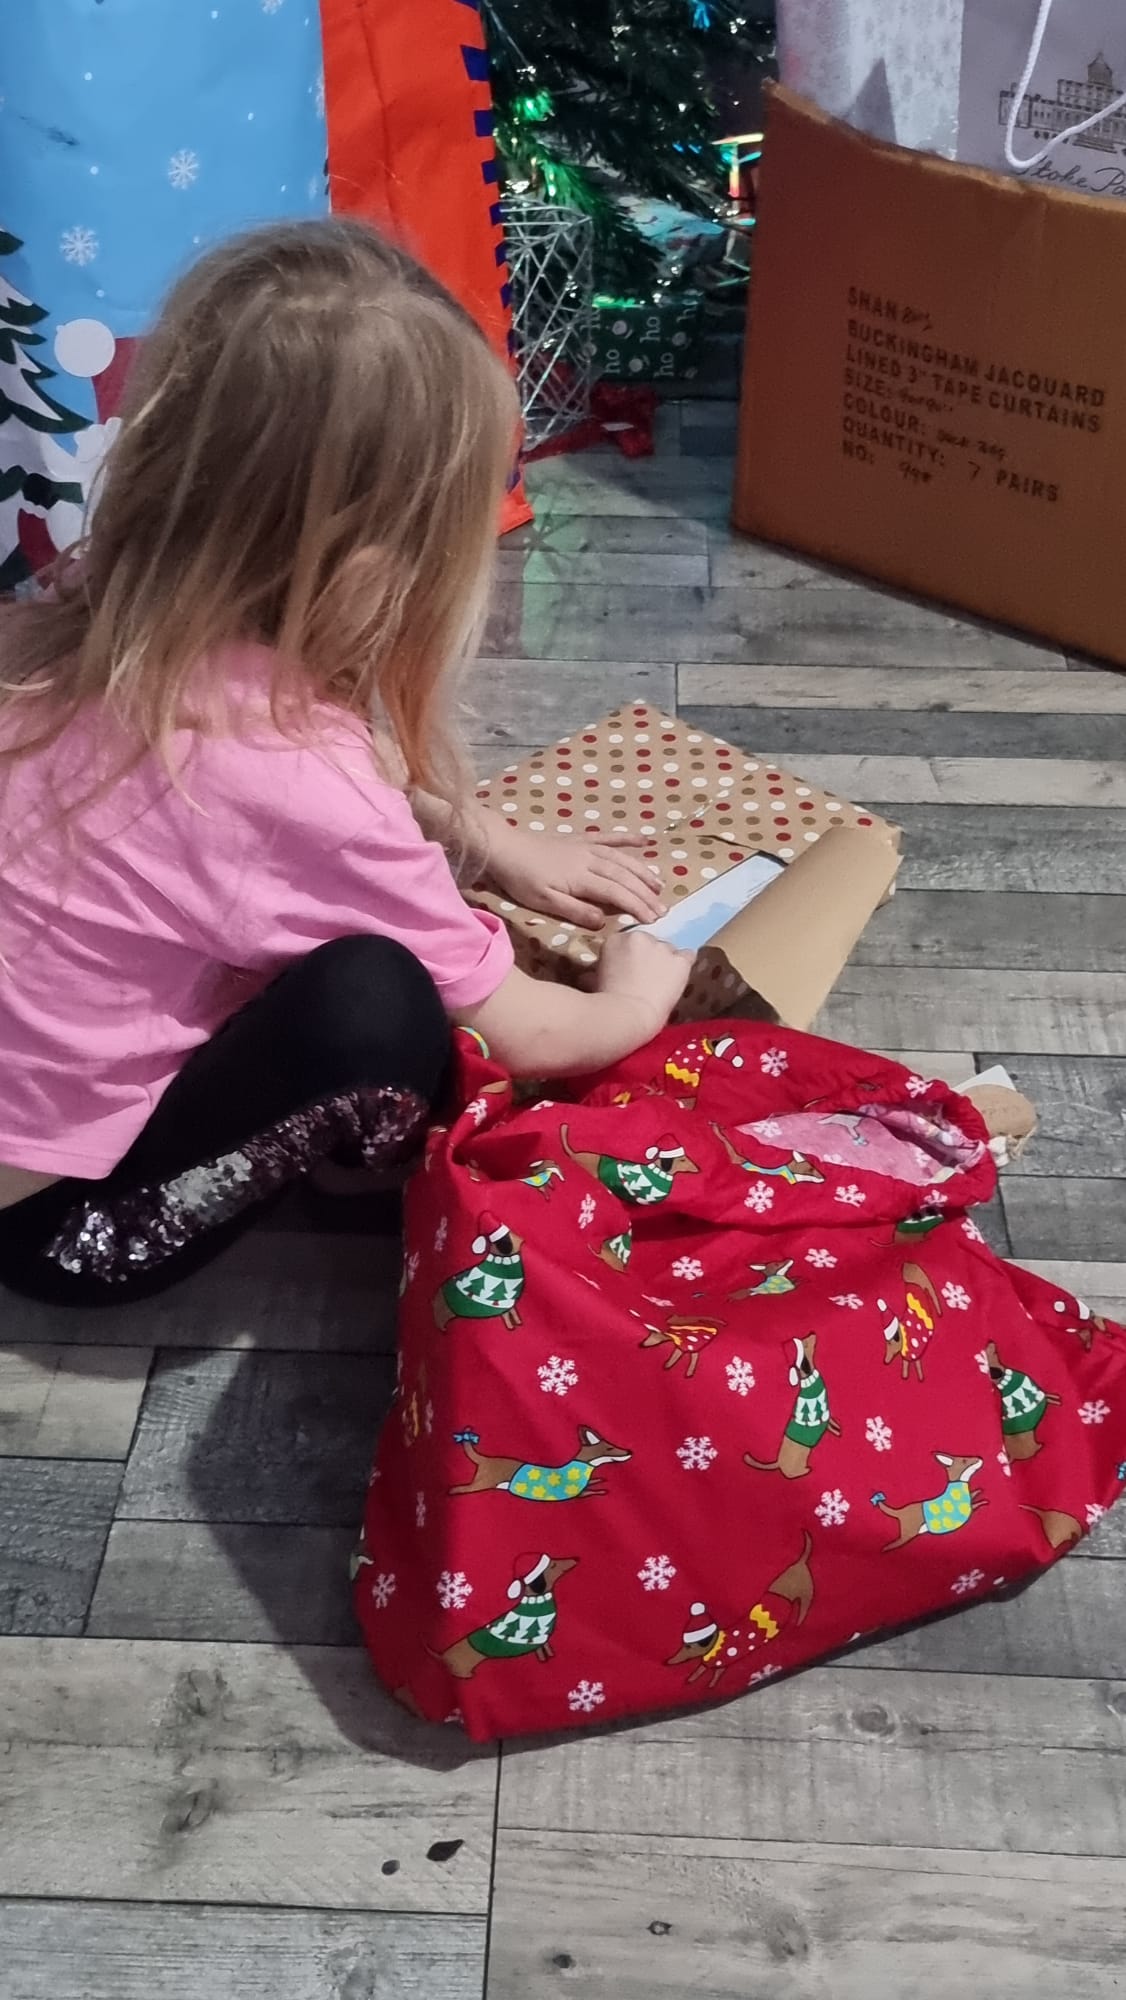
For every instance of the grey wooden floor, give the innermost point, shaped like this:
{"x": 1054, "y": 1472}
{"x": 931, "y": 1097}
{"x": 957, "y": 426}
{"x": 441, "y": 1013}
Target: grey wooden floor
{"x": 203, "y": 1792}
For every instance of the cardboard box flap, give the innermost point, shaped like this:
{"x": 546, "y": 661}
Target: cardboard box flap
{"x": 793, "y": 941}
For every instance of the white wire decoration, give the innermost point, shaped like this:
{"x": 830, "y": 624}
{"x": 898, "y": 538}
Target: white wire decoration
{"x": 550, "y": 264}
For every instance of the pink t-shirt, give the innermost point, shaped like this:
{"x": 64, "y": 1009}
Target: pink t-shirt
{"x": 127, "y": 941}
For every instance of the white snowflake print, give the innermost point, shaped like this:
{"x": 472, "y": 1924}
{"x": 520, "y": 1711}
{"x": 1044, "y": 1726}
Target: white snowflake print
{"x": 934, "y": 1197}
{"x": 971, "y": 1580}
{"x": 740, "y": 1377}
{"x": 656, "y": 1573}
{"x": 759, "y": 1197}
{"x": 586, "y": 1211}
{"x": 763, "y": 1674}
{"x": 79, "y": 245}
{"x": 957, "y": 1298}
{"x": 851, "y": 1196}
{"x": 1005, "y": 1464}
{"x": 557, "y": 1375}
{"x": 382, "y": 1589}
{"x": 420, "y": 1510}
{"x": 1094, "y": 1514}
{"x": 454, "y": 1590}
{"x": 666, "y": 1303}
{"x": 478, "y": 1110}
{"x": 769, "y": 1129}
{"x": 428, "y": 1419}
{"x": 848, "y": 1300}
{"x": 441, "y": 1233}
{"x": 832, "y": 1509}
{"x": 319, "y": 95}
{"x": 917, "y": 1086}
{"x": 971, "y": 1230}
{"x": 878, "y": 1433}
{"x": 272, "y": 6}
{"x": 410, "y": 1271}
{"x": 822, "y": 1260}
{"x": 183, "y": 168}
{"x": 696, "y": 1454}
{"x": 774, "y": 1062}
{"x": 688, "y": 1267}
{"x": 982, "y": 1359}
{"x": 584, "y": 1699}
{"x": 1094, "y": 1413}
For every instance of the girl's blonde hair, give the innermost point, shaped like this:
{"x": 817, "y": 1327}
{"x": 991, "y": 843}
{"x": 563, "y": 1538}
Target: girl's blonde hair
{"x": 313, "y": 450}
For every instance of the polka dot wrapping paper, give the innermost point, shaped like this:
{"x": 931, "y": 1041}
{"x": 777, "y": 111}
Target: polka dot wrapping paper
{"x": 708, "y": 806}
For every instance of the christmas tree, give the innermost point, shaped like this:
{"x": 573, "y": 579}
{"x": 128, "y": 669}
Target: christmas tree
{"x": 25, "y": 406}
{"x": 596, "y": 99}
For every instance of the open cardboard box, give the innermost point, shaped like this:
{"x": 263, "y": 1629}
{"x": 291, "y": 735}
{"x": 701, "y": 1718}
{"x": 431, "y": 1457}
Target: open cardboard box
{"x": 934, "y": 386}
{"x": 709, "y": 808}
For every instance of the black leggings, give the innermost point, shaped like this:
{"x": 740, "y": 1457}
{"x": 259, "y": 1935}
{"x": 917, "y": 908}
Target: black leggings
{"x": 346, "y": 1049}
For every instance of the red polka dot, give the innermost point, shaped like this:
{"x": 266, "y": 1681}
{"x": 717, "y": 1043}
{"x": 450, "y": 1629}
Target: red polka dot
{"x": 565, "y": 812}
{"x": 861, "y": 821}
{"x": 565, "y": 798}
{"x": 696, "y": 822}
{"x": 783, "y": 839}
{"x": 564, "y": 763}
{"x": 646, "y": 798}
{"x": 648, "y": 815}
{"x": 680, "y": 869}
{"x": 643, "y": 770}
{"x": 672, "y": 784}
{"x": 734, "y": 854}
{"x": 592, "y": 738}
{"x": 777, "y": 791}
{"x": 780, "y": 819}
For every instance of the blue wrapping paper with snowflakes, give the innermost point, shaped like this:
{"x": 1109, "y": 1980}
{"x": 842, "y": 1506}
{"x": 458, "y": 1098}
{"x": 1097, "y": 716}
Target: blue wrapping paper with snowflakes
{"x": 707, "y": 1372}
{"x": 133, "y": 133}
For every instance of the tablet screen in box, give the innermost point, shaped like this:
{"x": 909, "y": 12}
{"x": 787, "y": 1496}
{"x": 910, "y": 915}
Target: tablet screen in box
{"x": 696, "y": 921}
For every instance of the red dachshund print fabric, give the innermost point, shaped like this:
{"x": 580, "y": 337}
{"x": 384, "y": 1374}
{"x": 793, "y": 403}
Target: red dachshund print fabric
{"x": 708, "y": 1372}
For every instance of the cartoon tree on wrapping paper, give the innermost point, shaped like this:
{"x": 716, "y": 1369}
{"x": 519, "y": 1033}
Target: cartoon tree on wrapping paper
{"x": 26, "y": 406}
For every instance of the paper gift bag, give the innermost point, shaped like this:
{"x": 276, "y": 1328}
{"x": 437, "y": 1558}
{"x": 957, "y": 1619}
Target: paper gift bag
{"x": 410, "y": 146}
{"x": 1074, "y": 76}
{"x": 889, "y": 67}
{"x": 225, "y": 128}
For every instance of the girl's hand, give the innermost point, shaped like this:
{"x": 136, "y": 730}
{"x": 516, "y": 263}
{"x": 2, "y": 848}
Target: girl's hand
{"x": 639, "y": 968}
{"x": 578, "y": 878}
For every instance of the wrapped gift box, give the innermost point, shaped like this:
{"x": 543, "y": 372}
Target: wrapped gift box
{"x": 709, "y": 807}
{"x": 646, "y": 340}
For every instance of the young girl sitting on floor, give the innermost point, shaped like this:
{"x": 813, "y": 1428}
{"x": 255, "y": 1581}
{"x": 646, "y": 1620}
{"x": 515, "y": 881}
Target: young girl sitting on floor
{"x": 230, "y": 938}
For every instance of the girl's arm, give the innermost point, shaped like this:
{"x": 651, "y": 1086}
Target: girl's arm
{"x": 538, "y": 1029}
{"x": 575, "y": 878}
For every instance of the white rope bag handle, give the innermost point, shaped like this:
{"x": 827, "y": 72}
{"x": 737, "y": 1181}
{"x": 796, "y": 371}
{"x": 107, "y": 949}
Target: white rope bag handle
{"x": 1021, "y": 92}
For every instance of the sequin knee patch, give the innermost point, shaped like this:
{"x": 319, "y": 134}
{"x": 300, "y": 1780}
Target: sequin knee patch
{"x": 141, "y": 1228}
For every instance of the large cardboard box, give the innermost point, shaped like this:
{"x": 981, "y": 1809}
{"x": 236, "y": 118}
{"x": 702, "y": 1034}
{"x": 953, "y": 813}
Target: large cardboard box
{"x": 935, "y": 379}
{"x": 709, "y": 807}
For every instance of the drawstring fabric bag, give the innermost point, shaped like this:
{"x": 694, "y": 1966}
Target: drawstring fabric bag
{"x": 709, "y": 1373}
